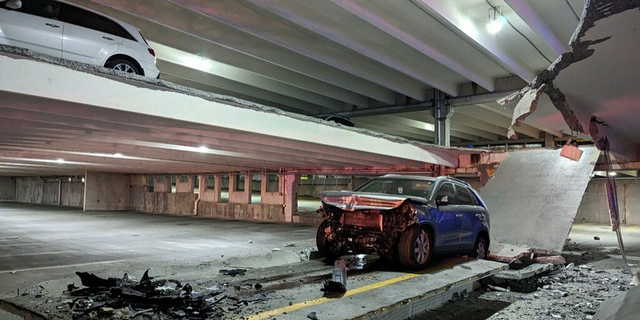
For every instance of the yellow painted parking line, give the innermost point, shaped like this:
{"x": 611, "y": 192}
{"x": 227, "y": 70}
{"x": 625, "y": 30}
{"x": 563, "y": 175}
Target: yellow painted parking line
{"x": 373, "y": 286}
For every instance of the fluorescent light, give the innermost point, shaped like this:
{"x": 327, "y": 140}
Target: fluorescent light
{"x": 496, "y": 20}
{"x": 118, "y": 155}
{"x": 203, "y": 149}
{"x": 60, "y": 161}
{"x": 494, "y": 26}
{"x": 196, "y": 62}
{"x": 613, "y": 174}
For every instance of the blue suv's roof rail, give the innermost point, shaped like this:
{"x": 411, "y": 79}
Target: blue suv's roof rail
{"x": 458, "y": 180}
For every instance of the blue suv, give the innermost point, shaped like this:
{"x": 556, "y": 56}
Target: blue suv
{"x": 405, "y": 219}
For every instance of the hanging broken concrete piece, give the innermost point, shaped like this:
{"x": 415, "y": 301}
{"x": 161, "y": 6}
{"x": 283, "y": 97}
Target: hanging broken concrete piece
{"x": 598, "y": 76}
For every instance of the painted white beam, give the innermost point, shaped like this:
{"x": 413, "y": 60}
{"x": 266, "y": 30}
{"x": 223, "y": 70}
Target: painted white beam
{"x": 497, "y": 119}
{"x": 189, "y": 34}
{"x": 267, "y": 36}
{"x": 241, "y": 76}
{"x": 536, "y": 22}
{"x": 207, "y": 80}
{"x": 392, "y": 27}
{"x": 342, "y": 27}
{"x": 420, "y": 118}
{"x": 449, "y": 13}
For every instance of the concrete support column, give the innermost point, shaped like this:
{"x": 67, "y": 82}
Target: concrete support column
{"x": 247, "y": 187}
{"x": 549, "y": 141}
{"x": 106, "y": 191}
{"x": 290, "y": 191}
{"x": 264, "y": 184}
{"x": 442, "y": 112}
{"x": 217, "y": 188}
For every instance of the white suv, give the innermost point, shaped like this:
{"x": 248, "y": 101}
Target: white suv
{"x": 63, "y": 30}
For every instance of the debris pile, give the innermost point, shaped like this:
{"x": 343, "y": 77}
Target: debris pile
{"x": 571, "y": 292}
{"x": 124, "y": 298}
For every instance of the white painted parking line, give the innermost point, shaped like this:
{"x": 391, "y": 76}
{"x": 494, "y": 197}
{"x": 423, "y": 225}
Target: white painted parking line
{"x": 62, "y": 266}
{"x": 37, "y": 253}
{"x": 21, "y": 244}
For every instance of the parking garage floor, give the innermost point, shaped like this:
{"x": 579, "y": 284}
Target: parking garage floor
{"x": 184, "y": 247}
{"x": 115, "y": 242}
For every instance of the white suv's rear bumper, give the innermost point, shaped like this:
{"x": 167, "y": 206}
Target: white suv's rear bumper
{"x": 150, "y": 70}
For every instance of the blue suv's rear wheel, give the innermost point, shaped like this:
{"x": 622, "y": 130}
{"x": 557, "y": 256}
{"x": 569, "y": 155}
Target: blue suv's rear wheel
{"x": 415, "y": 248}
{"x": 480, "y": 249}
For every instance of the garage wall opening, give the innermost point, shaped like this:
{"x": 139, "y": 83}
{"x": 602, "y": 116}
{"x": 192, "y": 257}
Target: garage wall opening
{"x": 224, "y": 188}
{"x": 256, "y": 188}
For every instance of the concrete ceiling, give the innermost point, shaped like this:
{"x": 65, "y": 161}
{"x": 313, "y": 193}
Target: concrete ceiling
{"x": 340, "y": 56}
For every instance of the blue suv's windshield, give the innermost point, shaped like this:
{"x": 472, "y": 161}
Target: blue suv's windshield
{"x": 405, "y": 187}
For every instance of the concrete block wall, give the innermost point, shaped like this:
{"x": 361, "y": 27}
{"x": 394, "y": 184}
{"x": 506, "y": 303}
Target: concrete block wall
{"x": 7, "y": 189}
{"x": 107, "y": 191}
{"x": 594, "y": 208}
{"x": 184, "y": 200}
{"x": 50, "y": 191}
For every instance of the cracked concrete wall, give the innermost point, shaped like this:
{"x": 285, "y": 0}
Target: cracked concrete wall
{"x": 7, "y": 189}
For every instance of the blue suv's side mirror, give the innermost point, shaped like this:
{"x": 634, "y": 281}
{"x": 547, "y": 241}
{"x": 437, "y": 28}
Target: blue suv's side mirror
{"x": 442, "y": 201}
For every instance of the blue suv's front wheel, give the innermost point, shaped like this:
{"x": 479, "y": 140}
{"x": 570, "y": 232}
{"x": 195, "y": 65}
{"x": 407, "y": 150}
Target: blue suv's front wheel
{"x": 415, "y": 248}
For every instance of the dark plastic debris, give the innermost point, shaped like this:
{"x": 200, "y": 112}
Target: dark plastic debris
{"x": 233, "y": 272}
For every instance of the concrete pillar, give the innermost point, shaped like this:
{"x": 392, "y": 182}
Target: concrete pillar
{"x": 106, "y": 191}
{"x": 549, "y": 141}
{"x": 217, "y": 188}
{"x": 247, "y": 187}
{"x": 264, "y": 183}
{"x": 7, "y": 189}
{"x": 290, "y": 191}
{"x": 442, "y": 112}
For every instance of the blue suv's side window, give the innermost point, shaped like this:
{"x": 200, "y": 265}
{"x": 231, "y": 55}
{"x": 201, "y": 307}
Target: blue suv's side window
{"x": 464, "y": 197}
{"x": 446, "y": 189}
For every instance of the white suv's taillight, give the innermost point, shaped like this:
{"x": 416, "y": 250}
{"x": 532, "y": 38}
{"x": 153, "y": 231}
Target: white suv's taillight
{"x": 153, "y": 53}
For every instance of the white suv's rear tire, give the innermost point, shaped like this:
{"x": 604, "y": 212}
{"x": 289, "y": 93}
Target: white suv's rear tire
{"x": 124, "y": 66}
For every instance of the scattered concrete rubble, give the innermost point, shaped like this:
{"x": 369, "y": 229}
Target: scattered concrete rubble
{"x": 621, "y": 307}
{"x": 146, "y": 299}
{"x": 569, "y": 292}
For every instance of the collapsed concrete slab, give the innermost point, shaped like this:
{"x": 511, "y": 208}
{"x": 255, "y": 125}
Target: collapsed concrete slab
{"x": 534, "y": 198}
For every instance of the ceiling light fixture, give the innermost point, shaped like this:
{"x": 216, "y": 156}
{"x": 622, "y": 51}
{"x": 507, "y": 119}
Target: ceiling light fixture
{"x": 118, "y": 155}
{"x": 496, "y": 20}
{"x": 613, "y": 174}
{"x": 203, "y": 149}
{"x": 60, "y": 161}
